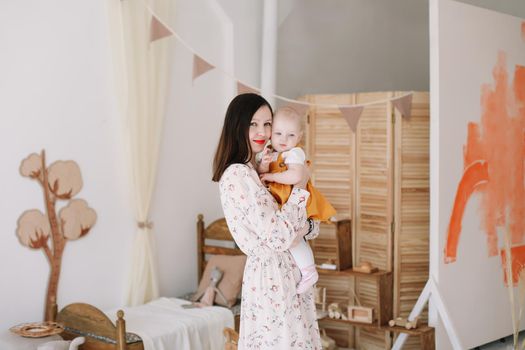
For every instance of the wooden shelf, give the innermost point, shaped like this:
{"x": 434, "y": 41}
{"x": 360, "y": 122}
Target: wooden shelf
{"x": 396, "y": 329}
{"x": 415, "y": 331}
{"x": 383, "y": 300}
{"x": 373, "y": 326}
{"x": 351, "y": 273}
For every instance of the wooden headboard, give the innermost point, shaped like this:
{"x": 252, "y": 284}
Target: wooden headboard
{"x": 217, "y": 231}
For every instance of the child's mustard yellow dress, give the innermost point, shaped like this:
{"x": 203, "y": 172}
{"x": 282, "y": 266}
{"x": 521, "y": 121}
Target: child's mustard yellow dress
{"x": 317, "y": 207}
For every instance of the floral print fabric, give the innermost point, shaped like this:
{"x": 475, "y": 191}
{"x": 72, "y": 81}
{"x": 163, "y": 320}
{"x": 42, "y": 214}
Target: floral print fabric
{"x": 273, "y": 315}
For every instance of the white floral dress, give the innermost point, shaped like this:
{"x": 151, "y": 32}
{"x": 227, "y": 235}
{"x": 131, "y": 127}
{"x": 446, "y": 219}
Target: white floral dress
{"x": 273, "y": 315}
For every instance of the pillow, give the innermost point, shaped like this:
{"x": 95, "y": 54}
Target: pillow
{"x": 232, "y": 268}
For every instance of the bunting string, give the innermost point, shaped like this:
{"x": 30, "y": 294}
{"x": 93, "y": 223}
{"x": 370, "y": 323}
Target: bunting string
{"x": 351, "y": 112}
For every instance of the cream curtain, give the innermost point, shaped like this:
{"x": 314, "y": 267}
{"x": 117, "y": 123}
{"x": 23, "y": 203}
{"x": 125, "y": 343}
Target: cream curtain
{"x": 141, "y": 71}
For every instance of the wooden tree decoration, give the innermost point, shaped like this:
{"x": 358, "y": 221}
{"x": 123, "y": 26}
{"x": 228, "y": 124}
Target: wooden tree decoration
{"x": 60, "y": 181}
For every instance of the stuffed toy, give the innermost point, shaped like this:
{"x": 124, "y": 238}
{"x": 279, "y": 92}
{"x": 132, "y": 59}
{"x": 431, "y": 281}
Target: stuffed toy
{"x": 206, "y": 298}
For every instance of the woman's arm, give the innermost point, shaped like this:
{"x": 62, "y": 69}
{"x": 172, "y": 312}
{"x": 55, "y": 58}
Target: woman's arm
{"x": 246, "y": 204}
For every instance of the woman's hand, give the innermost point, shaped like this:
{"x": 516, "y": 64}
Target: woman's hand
{"x": 305, "y": 176}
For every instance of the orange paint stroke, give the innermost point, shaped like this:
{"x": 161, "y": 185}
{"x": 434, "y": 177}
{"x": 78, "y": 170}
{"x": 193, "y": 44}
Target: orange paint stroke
{"x": 475, "y": 175}
{"x": 498, "y": 139}
{"x": 518, "y": 261}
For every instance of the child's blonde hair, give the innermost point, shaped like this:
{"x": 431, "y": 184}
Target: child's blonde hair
{"x": 290, "y": 113}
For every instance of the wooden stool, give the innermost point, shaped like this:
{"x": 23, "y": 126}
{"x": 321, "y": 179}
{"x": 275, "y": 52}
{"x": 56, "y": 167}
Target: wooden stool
{"x": 232, "y": 338}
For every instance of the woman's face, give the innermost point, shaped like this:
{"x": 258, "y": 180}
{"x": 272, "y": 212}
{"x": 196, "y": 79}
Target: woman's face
{"x": 260, "y": 129}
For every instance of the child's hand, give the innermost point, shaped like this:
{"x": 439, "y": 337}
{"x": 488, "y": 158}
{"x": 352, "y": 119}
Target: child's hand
{"x": 266, "y": 159}
{"x": 266, "y": 177}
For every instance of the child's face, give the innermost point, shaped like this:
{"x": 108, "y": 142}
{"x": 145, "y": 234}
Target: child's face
{"x": 286, "y": 133}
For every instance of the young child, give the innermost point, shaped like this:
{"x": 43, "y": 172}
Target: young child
{"x": 280, "y": 169}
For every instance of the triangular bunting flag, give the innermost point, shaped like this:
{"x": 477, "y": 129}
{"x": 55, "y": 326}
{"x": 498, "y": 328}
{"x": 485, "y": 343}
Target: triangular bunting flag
{"x": 200, "y": 66}
{"x": 299, "y": 107}
{"x": 404, "y": 105}
{"x": 352, "y": 115}
{"x": 244, "y": 89}
{"x": 158, "y": 30}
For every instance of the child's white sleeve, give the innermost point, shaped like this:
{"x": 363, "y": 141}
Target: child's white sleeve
{"x": 295, "y": 156}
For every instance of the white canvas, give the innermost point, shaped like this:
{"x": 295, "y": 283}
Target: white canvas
{"x": 466, "y": 43}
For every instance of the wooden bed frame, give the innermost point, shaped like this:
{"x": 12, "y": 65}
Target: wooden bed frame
{"x": 216, "y": 231}
{"x": 101, "y": 334}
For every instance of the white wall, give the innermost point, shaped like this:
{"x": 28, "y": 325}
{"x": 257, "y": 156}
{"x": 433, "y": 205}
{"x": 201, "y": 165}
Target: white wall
{"x": 227, "y": 34}
{"x": 343, "y": 46}
{"x": 55, "y": 93}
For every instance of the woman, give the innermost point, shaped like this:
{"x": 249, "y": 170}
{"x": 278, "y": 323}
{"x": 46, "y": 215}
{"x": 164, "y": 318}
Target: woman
{"x": 273, "y": 315}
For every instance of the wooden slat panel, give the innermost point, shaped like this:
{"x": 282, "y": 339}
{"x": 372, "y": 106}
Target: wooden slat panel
{"x": 369, "y": 339}
{"x": 338, "y": 290}
{"x": 329, "y": 144}
{"x": 411, "y": 251}
{"x": 325, "y": 245}
{"x": 412, "y": 343}
{"x": 341, "y": 333}
{"x": 374, "y": 200}
{"x": 374, "y": 184}
{"x": 367, "y": 293}
{"x": 334, "y": 244}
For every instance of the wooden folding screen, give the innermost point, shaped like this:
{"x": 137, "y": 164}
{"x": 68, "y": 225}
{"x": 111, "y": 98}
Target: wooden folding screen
{"x": 330, "y": 145}
{"x": 378, "y": 177}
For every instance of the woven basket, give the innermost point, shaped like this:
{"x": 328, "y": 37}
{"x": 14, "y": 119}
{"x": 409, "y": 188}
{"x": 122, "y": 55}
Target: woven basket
{"x": 37, "y": 329}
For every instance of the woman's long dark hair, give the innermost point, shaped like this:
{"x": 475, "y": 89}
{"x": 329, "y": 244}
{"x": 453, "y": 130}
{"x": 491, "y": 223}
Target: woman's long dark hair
{"x": 234, "y": 146}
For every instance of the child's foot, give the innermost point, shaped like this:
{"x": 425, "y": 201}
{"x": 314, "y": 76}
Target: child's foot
{"x": 309, "y": 277}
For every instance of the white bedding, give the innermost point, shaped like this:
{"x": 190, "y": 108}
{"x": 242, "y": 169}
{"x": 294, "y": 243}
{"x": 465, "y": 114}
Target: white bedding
{"x": 164, "y": 325}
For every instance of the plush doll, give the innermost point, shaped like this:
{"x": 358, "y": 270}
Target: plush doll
{"x": 206, "y": 298}
{"x": 62, "y": 344}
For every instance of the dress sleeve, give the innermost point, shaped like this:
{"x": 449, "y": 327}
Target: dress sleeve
{"x": 315, "y": 230}
{"x": 248, "y": 206}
